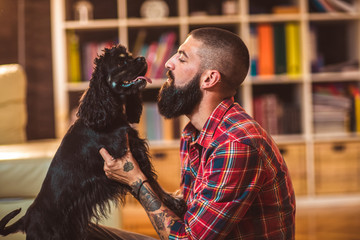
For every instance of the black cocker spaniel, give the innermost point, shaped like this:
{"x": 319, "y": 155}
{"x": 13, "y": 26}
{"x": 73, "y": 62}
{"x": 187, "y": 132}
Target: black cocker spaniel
{"x": 76, "y": 189}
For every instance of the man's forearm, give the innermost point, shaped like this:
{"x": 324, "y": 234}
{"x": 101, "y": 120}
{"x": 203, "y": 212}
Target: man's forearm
{"x": 160, "y": 216}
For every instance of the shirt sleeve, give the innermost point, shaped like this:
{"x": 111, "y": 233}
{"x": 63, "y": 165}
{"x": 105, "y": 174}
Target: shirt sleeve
{"x": 233, "y": 175}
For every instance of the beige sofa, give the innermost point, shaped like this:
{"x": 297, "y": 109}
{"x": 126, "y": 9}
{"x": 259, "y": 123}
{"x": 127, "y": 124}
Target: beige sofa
{"x": 22, "y": 170}
{"x": 13, "y": 114}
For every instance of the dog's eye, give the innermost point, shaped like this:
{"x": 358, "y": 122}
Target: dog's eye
{"x": 122, "y": 55}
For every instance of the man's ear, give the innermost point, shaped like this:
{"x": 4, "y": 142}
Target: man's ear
{"x": 210, "y": 78}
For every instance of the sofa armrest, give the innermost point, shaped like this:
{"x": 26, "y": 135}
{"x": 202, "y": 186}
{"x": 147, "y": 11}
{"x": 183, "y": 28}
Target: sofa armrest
{"x": 23, "y": 168}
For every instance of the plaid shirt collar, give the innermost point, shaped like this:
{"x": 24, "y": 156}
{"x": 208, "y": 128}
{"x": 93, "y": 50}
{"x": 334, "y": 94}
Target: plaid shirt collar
{"x": 204, "y": 138}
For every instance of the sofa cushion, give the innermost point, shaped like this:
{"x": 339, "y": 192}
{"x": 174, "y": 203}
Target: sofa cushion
{"x": 22, "y": 178}
{"x": 13, "y": 113}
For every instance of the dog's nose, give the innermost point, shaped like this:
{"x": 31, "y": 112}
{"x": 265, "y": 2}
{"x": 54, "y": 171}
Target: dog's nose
{"x": 140, "y": 59}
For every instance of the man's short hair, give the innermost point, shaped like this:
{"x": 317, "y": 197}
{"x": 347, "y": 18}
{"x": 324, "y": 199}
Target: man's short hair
{"x": 225, "y": 52}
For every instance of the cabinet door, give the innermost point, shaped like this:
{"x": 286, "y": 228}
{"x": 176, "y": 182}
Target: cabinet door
{"x": 295, "y": 158}
{"x": 167, "y": 166}
{"x": 337, "y": 168}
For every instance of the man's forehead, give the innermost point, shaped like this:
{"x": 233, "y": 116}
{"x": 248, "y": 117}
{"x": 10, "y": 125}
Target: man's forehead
{"x": 189, "y": 47}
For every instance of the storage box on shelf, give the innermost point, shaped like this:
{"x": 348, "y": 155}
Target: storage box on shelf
{"x": 303, "y": 28}
{"x": 337, "y": 167}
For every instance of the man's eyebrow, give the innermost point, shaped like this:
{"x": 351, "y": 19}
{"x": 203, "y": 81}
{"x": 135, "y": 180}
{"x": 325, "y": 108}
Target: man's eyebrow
{"x": 183, "y": 53}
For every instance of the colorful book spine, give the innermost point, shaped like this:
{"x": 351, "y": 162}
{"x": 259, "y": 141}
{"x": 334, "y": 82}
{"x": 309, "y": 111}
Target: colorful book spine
{"x": 292, "y": 36}
{"x": 357, "y": 111}
{"x": 90, "y": 51}
{"x": 280, "y": 48}
{"x": 253, "y": 48}
{"x": 139, "y": 42}
{"x": 74, "y": 67}
{"x": 266, "y": 49}
{"x": 168, "y": 48}
{"x": 150, "y": 57}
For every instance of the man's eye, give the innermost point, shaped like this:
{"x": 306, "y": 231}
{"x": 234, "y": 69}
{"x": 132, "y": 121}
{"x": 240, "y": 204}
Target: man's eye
{"x": 181, "y": 60}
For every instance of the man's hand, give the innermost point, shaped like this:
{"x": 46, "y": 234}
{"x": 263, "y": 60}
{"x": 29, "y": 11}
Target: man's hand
{"x": 125, "y": 170}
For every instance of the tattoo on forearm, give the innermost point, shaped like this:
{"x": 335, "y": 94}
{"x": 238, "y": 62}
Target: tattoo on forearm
{"x": 151, "y": 203}
{"x": 149, "y": 200}
{"x": 128, "y": 166}
{"x": 159, "y": 221}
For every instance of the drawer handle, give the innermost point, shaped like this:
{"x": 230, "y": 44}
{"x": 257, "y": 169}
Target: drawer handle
{"x": 159, "y": 156}
{"x": 338, "y": 147}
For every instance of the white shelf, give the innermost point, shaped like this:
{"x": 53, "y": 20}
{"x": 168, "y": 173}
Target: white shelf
{"x": 272, "y": 18}
{"x": 94, "y": 24}
{"x": 335, "y": 16}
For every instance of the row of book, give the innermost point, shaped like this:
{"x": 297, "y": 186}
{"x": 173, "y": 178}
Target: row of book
{"x": 153, "y": 126}
{"x": 275, "y": 49}
{"x": 81, "y": 56}
{"x": 275, "y": 115}
{"x": 336, "y": 108}
{"x": 332, "y": 6}
{"x": 155, "y": 52}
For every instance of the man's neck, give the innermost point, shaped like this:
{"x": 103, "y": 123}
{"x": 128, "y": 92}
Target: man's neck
{"x": 203, "y": 111}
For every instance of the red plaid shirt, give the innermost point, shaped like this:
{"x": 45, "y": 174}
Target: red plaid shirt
{"x": 234, "y": 180}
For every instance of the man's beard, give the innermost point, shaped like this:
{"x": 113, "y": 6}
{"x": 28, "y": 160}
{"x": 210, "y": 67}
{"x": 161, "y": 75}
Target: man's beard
{"x": 176, "y": 101}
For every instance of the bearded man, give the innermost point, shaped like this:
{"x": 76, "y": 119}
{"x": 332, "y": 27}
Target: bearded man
{"x": 233, "y": 178}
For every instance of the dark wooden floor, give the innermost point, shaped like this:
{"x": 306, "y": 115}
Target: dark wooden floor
{"x": 328, "y": 223}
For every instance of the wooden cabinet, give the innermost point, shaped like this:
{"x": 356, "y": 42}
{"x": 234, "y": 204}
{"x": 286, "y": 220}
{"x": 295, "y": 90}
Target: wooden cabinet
{"x": 337, "y": 167}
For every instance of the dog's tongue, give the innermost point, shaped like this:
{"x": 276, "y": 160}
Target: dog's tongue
{"x": 145, "y": 78}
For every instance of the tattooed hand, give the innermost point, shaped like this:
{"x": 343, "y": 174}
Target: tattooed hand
{"x": 125, "y": 170}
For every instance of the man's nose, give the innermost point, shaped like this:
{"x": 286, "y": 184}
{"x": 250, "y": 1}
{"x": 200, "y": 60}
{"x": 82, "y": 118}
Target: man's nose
{"x": 170, "y": 64}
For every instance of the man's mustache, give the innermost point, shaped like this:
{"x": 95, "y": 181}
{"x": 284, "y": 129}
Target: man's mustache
{"x": 170, "y": 75}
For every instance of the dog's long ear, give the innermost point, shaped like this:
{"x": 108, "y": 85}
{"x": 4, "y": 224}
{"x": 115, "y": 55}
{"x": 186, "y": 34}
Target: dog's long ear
{"x": 98, "y": 110}
{"x": 98, "y": 107}
{"x": 133, "y": 108}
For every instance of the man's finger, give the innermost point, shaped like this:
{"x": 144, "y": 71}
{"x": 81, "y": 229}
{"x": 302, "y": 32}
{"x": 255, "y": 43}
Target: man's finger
{"x": 109, "y": 160}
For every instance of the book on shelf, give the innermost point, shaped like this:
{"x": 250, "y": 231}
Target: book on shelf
{"x": 332, "y": 109}
{"x": 74, "y": 64}
{"x": 266, "y": 49}
{"x": 316, "y": 59}
{"x": 293, "y": 55}
{"x": 139, "y": 42}
{"x": 285, "y": 9}
{"x": 157, "y": 53}
{"x": 153, "y": 126}
{"x": 355, "y": 113}
{"x": 325, "y": 6}
{"x": 90, "y": 51}
{"x": 280, "y": 48}
{"x": 275, "y": 49}
{"x": 276, "y": 116}
{"x": 253, "y": 49}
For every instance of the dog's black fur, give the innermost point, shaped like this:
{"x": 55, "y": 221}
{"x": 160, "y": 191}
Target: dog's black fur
{"x": 76, "y": 190}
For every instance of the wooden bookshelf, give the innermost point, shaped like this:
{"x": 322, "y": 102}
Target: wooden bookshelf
{"x": 303, "y": 147}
